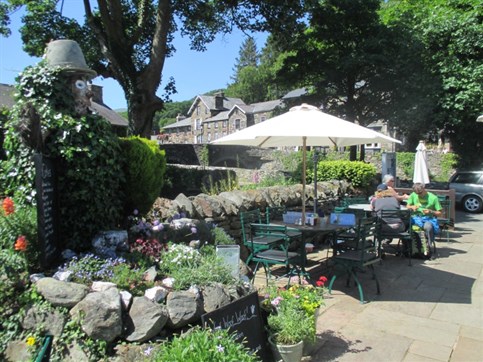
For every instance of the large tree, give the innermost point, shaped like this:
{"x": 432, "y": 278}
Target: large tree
{"x": 129, "y": 40}
{"x": 452, "y": 36}
{"x": 353, "y": 65}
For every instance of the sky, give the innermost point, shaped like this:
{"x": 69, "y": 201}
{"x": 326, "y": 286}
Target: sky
{"x": 194, "y": 72}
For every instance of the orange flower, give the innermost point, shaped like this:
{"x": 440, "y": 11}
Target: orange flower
{"x": 8, "y": 206}
{"x": 21, "y": 243}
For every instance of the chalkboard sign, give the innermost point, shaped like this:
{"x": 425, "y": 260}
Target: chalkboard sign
{"x": 46, "y": 208}
{"x": 242, "y": 317}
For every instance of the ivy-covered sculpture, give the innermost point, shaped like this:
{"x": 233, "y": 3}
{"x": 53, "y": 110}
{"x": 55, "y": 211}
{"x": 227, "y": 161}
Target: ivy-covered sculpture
{"x": 52, "y": 116}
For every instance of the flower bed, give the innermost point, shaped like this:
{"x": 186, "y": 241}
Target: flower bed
{"x": 176, "y": 266}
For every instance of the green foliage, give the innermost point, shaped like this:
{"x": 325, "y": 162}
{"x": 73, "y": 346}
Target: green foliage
{"x": 223, "y": 185}
{"x": 405, "y": 161}
{"x": 448, "y": 164}
{"x": 204, "y": 156}
{"x": 144, "y": 167}
{"x": 358, "y": 173}
{"x": 221, "y": 237}
{"x": 189, "y": 266}
{"x": 171, "y": 110}
{"x": 22, "y": 222}
{"x": 85, "y": 150}
{"x": 204, "y": 345}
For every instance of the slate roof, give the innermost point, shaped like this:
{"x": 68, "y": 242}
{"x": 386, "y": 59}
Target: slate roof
{"x": 183, "y": 123}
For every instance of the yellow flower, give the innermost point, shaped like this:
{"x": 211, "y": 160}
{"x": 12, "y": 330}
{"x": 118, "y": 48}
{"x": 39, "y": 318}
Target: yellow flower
{"x": 30, "y": 341}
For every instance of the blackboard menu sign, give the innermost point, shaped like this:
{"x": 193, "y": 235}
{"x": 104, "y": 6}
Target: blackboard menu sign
{"x": 242, "y": 317}
{"x": 46, "y": 208}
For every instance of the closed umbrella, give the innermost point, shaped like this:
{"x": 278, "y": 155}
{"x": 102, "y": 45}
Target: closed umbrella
{"x": 304, "y": 125}
{"x": 420, "y": 165}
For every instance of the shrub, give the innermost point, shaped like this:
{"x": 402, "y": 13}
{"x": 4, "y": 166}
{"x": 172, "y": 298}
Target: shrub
{"x": 358, "y": 173}
{"x": 144, "y": 167}
{"x": 204, "y": 345}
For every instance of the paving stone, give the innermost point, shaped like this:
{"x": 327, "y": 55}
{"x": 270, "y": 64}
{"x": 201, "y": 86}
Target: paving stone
{"x": 472, "y": 332}
{"x": 431, "y": 350}
{"x": 467, "y": 349}
{"x": 463, "y": 314}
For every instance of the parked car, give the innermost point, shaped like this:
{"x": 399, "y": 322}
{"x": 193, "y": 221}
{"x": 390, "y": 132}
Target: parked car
{"x": 468, "y": 186}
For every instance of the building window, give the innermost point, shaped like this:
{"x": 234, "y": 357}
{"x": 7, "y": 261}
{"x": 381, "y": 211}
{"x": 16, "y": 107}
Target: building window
{"x": 198, "y": 124}
{"x": 263, "y": 119}
{"x": 216, "y": 125}
{"x": 225, "y": 124}
{"x": 198, "y": 110}
{"x": 199, "y": 139}
{"x": 237, "y": 124}
{"x": 208, "y": 125}
{"x": 209, "y": 137}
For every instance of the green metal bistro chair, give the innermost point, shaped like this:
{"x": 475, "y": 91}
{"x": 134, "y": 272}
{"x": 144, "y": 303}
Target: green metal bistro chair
{"x": 444, "y": 220}
{"x": 405, "y": 237}
{"x": 365, "y": 254}
{"x": 293, "y": 261}
{"x": 255, "y": 243}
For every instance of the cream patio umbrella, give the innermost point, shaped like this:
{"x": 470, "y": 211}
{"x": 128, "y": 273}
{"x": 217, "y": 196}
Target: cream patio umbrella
{"x": 304, "y": 125}
{"x": 420, "y": 174}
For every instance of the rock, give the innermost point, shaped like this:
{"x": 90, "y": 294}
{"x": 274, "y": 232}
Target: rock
{"x": 62, "y": 294}
{"x": 106, "y": 243}
{"x": 185, "y": 205}
{"x": 150, "y": 274}
{"x": 98, "y": 286}
{"x": 49, "y": 322}
{"x": 63, "y": 276}
{"x": 35, "y": 277}
{"x": 146, "y": 320}
{"x": 74, "y": 353}
{"x": 126, "y": 299}
{"x": 17, "y": 351}
{"x": 183, "y": 308}
{"x": 100, "y": 314}
{"x": 156, "y": 294}
{"x": 214, "y": 297}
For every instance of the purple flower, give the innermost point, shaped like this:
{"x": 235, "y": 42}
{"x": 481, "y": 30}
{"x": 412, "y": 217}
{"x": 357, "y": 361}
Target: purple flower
{"x": 220, "y": 348}
{"x": 194, "y": 230}
{"x": 182, "y": 215}
{"x": 148, "y": 351}
{"x": 135, "y": 212}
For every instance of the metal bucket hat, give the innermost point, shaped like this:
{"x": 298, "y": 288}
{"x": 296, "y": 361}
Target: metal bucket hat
{"x": 67, "y": 55}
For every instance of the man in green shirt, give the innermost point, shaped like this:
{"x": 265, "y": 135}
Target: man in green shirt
{"x": 424, "y": 203}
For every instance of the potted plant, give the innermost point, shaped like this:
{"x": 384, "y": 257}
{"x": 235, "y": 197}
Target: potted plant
{"x": 292, "y": 317}
{"x": 288, "y": 327}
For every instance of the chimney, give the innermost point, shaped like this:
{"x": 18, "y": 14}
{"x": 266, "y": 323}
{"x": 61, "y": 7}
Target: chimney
{"x": 219, "y": 100}
{"x": 96, "y": 93}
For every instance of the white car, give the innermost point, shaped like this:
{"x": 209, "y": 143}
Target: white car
{"x": 468, "y": 186}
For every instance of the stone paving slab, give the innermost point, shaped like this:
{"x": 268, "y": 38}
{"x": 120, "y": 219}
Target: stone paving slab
{"x": 468, "y": 350}
{"x": 430, "y": 350}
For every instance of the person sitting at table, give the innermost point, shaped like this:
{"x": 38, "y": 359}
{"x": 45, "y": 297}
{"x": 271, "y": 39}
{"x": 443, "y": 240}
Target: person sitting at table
{"x": 426, "y": 208}
{"x": 385, "y": 200}
{"x": 388, "y": 180}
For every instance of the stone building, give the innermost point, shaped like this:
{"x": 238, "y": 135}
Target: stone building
{"x": 212, "y": 117}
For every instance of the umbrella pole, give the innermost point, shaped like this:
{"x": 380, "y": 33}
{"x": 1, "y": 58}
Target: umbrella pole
{"x": 304, "y": 159}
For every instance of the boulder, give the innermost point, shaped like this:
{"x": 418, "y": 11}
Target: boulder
{"x": 100, "y": 314}
{"x": 62, "y": 294}
{"x": 146, "y": 319}
{"x": 215, "y": 296}
{"x": 184, "y": 307}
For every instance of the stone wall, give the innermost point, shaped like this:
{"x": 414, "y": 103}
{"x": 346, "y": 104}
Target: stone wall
{"x": 224, "y": 209}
